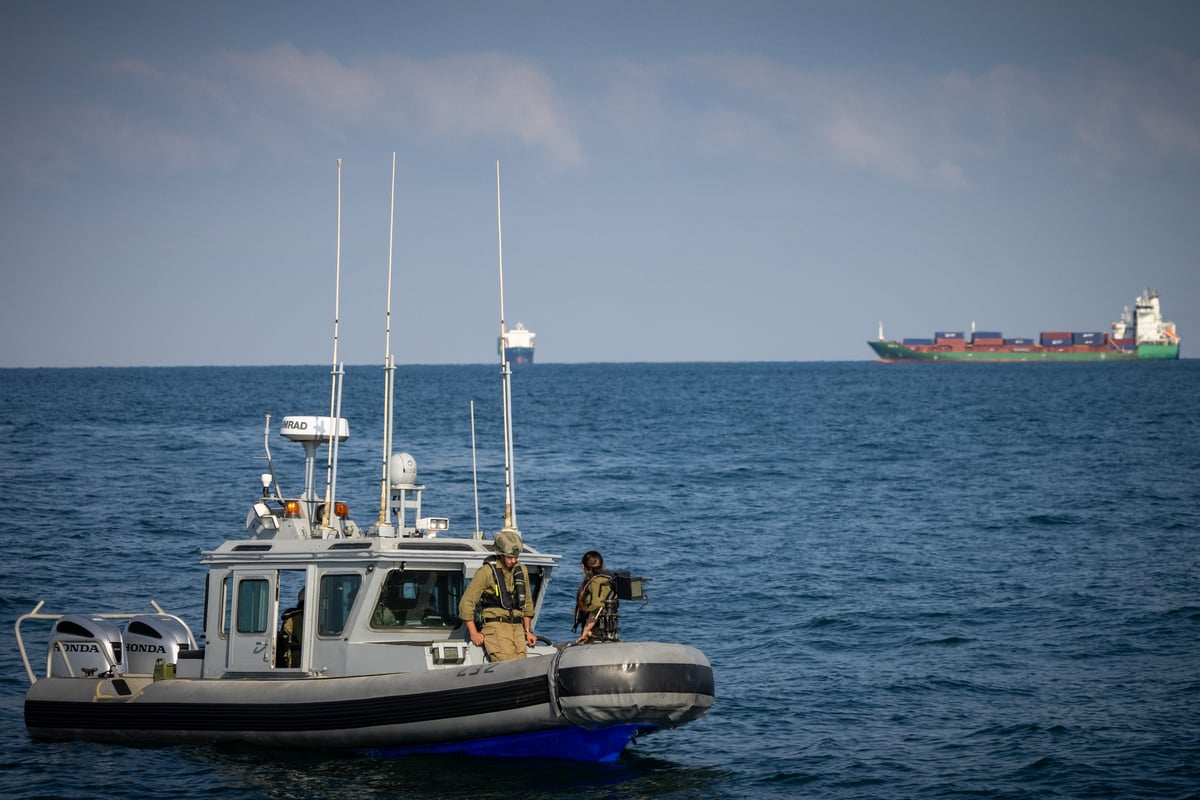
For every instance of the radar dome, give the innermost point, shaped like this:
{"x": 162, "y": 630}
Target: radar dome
{"x": 402, "y": 469}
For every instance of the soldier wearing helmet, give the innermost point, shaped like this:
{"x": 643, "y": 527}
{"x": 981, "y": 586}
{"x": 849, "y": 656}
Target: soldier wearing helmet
{"x": 498, "y": 606}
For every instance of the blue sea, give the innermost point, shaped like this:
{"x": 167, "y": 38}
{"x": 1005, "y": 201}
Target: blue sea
{"x": 912, "y": 581}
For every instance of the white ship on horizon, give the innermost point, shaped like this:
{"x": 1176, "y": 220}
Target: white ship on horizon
{"x": 520, "y": 345}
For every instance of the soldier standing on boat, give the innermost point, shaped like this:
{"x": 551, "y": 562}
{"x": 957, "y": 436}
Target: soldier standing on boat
{"x": 287, "y": 651}
{"x": 498, "y": 606}
{"x": 592, "y": 601}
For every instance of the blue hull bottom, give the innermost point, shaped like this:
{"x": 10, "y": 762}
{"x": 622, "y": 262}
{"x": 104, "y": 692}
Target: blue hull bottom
{"x": 575, "y": 744}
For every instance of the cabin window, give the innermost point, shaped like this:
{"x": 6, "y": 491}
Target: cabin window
{"x": 337, "y": 598}
{"x": 536, "y": 579}
{"x": 290, "y": 589}
{"x": 226, "y": 605}
{"x": 253, "y": 604}
{"x": 418, "y": 599}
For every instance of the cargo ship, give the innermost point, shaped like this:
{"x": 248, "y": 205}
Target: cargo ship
{"x": 1140, "y": 334}
{"x": 520, "y": 345}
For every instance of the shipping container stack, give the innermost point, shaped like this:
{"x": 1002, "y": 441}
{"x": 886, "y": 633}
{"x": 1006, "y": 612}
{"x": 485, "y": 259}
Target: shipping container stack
{"x": 1089, "y": 339}
{"x": 1056, "y": 339}
{"x": 950, "y": 340}
{"x": 987, "y": 340}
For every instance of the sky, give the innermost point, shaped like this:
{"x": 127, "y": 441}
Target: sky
{"x": 681, "y": 180}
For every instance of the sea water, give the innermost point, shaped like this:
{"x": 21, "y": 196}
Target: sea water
{"x": 912, "y": 581}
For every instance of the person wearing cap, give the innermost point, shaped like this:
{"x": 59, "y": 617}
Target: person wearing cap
{"x": 498, "y": 606}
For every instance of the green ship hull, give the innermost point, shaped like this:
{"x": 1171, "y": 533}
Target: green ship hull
{"x": 896, "y": 352}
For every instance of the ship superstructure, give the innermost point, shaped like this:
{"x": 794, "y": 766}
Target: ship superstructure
{"x": 520, "y": 345}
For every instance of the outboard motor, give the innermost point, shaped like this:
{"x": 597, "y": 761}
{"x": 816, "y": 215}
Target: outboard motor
{"x": 82, "y": 647}
{"x": 150, "y": 637}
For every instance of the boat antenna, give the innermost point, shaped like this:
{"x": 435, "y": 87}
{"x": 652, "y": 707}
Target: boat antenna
{"x": 330, "y": 472}
{"x": 335, "y": 440}
{"x": 510, "y": 511}
{"x": 475, "y": 475}
{"x": 389, "y": 364}
{"x": 270, "y": 462}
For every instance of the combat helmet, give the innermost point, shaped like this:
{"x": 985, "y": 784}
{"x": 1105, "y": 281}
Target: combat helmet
{"x": 508, "y": 542}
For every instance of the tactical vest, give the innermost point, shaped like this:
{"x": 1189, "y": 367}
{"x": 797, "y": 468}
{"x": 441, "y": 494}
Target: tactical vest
{"x": 607, "y": 618}
{"x": 498, "y": 596}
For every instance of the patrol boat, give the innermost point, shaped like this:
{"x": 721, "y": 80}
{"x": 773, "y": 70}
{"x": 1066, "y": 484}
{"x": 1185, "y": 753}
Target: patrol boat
{"x": 383, "y": 665}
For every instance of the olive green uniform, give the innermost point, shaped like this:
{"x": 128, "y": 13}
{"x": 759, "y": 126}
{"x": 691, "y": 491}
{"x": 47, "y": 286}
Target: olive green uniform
{"x": 288, "y": 651}
{"x": 503, "y": 630}
{"x": 590, "y": 600}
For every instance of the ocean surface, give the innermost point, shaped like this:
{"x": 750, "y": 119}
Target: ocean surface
{"x": 913, "y": 581}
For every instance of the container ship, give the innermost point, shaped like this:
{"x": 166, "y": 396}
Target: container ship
{"x": 520, "y": 345}
{"x": 1140, "y": 334}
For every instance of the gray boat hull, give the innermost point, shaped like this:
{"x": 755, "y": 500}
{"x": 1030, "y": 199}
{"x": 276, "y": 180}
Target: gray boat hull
{"x": 583, "y": 702}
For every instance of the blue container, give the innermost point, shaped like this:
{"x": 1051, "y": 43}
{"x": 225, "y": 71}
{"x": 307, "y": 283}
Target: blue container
{"x": 1088, "y": 338}
{"x": 987, "y": 335}
{"x": 948, "y": 335}
{"x": 928, "y": 342}
{"x": 1018, "y": 341}
{"x": 1056, "y": 342}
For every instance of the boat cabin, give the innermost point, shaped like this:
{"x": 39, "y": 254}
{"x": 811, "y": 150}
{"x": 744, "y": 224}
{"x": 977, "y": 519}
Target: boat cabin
{"x": 371, "y": 605}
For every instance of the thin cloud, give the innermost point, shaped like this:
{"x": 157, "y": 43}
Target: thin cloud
{"x": 278, "y": 99}
{"x": 283, "y": 78}
{"x": 480, "y": 96}
{"x": 921, "y": 128}
{"x": 886, "y": 152}
{"x": 1130, "y": 113}
{"x": 1101, "y": 114}
{"x": 470, "y": 97}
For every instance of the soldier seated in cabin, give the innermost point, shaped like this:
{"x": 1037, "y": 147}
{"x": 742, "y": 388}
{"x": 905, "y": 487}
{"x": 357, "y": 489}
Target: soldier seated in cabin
{"x": 397, "y": 606}
{"x": 411, "y": 598}
{"x": 389, "y": 611}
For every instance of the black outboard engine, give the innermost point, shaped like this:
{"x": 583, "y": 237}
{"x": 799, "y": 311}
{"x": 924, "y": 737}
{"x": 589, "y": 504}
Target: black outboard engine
{"x": 84, "y": 647}
{"x": 151, "y": 637}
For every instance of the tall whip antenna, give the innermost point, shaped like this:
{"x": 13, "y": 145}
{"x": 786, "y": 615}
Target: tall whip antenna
{"x": 333, "y": 389}
{"x": 510, "y": 510}
{"x": 475, "y": 475}
{"x": 389, "y": 364}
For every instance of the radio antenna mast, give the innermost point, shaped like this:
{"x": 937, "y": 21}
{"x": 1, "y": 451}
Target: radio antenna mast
{"x": 475, "y": 475}
{"x": 389, "y": 366}
{"x": 334, "y": 393}
{"x": 510, "y": 510}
